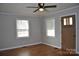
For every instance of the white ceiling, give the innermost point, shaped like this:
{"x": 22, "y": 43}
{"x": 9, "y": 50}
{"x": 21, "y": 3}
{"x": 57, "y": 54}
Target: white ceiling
{"x": 20, "y": 8}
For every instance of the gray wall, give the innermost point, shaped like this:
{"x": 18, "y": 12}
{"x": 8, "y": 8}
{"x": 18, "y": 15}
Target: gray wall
{"x": 57, "y": 40}
{"x": 8, "y": 37}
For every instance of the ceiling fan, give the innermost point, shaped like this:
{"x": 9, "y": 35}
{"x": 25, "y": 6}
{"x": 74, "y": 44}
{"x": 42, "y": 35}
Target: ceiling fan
{"x": 42, "y": 7}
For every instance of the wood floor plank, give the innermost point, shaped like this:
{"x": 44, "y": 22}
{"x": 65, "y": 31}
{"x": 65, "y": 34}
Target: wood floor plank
{"x": 37, "y": 50}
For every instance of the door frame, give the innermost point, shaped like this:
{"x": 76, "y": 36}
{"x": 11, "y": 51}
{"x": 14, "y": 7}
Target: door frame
{"x": 75, "y": 28}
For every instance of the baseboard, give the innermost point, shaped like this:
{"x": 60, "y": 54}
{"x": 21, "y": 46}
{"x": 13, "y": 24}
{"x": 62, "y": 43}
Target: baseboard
{"x": 51, "y": 45}
{"x": 28, "y": 45}
{"x": 19, "y": 46}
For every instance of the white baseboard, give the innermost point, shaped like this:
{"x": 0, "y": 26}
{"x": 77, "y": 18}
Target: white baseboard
{"x": 28, "y": 45}
{"x": 52, "y": 45}
{"x": 20, "y": 46}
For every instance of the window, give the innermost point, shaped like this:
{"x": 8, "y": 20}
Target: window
{"x": 64, "y": 21}
{"x": 68, "y": 21}
{"x": 50, "y": 27}
{"x": 22, "y": 28}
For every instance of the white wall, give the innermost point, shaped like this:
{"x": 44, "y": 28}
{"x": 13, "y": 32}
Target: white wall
{"x": 57, "y": 40}
{"x": 8, "y": 31}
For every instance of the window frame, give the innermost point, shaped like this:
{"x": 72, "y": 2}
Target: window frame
{"x": 17, "y": 29}
{"x": 52, "y": 19}
{"x": 67, "y": 21}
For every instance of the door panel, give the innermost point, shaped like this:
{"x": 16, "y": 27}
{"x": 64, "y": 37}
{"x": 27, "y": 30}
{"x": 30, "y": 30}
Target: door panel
{"x": 68, "y": 32}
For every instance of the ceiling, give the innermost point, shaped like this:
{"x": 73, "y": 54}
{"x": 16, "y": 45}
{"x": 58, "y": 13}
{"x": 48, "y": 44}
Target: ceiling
{"x": 20, "y": 8}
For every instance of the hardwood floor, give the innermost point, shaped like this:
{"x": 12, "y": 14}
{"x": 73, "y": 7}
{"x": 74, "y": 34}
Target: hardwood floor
{"x": 37, "y": 50}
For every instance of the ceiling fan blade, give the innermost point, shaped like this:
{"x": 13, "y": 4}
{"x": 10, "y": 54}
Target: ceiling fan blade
{"x": 31, "y": 7}
{"x": 36, "y": 10}
{"x": 40, "y": 5}
{"x": 52, "y": 6}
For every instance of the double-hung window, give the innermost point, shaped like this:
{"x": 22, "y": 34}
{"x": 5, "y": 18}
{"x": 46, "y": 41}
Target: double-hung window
{"x": 22, "y": 27}
{"x": 50, "y": 27}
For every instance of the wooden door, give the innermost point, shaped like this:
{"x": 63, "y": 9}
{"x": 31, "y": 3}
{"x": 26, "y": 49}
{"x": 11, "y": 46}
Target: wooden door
{"x": 68, "y": 32}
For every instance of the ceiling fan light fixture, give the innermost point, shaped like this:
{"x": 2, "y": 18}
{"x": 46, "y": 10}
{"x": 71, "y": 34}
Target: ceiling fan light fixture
{"x": 41, "y": 9}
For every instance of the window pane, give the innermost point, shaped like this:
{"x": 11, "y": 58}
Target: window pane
{"x": 22, "y": 24}
{"x": 70, "y": 21}
{"x": 22, "y": 34}
{"x": 51, "y": 32}
{"x": 50, "y": 27}
{"x": 65, "y": 21}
